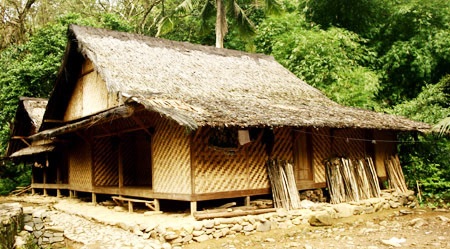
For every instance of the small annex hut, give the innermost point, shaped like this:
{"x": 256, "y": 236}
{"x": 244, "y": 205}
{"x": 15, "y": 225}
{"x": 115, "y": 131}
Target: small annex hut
{"x": 150, "y": 118}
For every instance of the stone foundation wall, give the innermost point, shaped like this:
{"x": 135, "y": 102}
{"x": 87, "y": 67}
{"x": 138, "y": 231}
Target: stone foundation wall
{"x": 314, "y": 214}
{"x": 36, "y": 223}
{"x": 10, "y": 224}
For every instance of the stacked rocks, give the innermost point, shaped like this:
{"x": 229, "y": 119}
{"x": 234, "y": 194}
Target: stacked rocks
{"x": 45, "y": 236}
{"x": 10, "y": 221}
{"x": 315, "y": 195}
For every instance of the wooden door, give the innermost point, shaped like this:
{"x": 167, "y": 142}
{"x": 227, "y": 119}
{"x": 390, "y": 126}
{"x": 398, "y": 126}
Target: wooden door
{"x": 304, "y": 174}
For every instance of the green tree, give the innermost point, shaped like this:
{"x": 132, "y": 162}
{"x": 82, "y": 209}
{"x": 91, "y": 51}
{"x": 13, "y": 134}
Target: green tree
{"x": 414, "y": 48}
{"x": 360, "y": 16}
{"x": 333, "y": 60}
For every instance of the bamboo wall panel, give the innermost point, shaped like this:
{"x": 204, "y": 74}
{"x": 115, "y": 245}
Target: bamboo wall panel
{"x": 106, "y": 171}
{"x": 383, "y": 150}
{"x": 90, "y": 94}
{"x": 95, "y": 94}
{"x": 171, "y": 161}
{"x": 283, "y": 144}
{"x": 80, "y": 164}
{"x": 321, "y": 143}
{"x": 136, "y": 157}
{"x": 220, "y": 170}
{"x": 348, "y": 143}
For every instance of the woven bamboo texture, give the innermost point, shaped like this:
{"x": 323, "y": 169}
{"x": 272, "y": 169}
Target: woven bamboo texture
{"x": 136, "y": 157}
{"x": 348, "y": 143}
{"x": 321, "y": 143}
{"x": 219, "y": 170}
{"x": 80, "y": 164}
{"x": 171, "y": 161}
{"x": 106, "y": 171}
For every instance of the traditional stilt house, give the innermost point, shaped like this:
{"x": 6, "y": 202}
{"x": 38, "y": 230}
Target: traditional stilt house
{"x": 143, "y": 117}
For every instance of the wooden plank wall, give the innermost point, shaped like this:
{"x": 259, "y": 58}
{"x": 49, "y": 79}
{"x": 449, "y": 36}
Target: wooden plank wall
{"x": 80, "y": 166}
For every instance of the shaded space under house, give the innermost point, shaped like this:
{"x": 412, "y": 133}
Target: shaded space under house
{"x": 149, "y": 118}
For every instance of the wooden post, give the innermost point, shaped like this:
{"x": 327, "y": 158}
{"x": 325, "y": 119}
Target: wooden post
{"x": 156, "y": 204}
{"x": 58, "y": 193}
{"x": 94, "y": 198}
{"x": 120, "y": 168}
{"x": 247, "y": 201}
{"x": 193, "y": 207}
{"x": 33, "y": 191}
{"x": 130, "y": 206}
{"x": 44, "y": 176}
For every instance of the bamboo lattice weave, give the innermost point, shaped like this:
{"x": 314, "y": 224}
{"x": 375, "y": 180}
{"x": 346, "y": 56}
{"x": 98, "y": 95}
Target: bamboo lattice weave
{"x": 218, "y": 170}
{"x": 345, "y": 143}
{"x": 105, "y": 162}
{"x": 321, "y": 151}
{"x": 171, "y": 162}
{"x": 80, "y": 164}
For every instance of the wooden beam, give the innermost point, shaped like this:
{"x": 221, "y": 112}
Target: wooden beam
{"x": 22, "y": 138}
{"x": 202, "y": 216}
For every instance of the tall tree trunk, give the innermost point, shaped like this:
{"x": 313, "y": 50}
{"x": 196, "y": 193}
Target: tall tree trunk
{"x": 221, "y": 24}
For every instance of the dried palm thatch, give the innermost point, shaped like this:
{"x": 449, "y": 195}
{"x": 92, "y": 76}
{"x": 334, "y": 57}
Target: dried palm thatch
{"x": 27, "y": 121}
{"x": 205, "y": 86}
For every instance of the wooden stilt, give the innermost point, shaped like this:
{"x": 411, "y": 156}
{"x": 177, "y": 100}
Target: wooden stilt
{"x": 58, "y": 193}
{"x": 33, "y": 191}
{"x": 156, "y": 204}
{"x": 94, "y": 198}
{"x": 193, "y": 207}
{"x": 247, "y": 201}
{"x": 44, "y": 179}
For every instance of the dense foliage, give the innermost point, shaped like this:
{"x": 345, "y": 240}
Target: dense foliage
{"x": 391, "y": 56}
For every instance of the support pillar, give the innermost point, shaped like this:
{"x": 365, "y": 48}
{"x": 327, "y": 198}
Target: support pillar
{"x": 94, "y": 198}
{"x": 58, "y": 193}
{"x": 247, "y": 201}
{"x": 193, "y": 207}
{"x": 44, "y": 176}
{"x": 156, "y": 204}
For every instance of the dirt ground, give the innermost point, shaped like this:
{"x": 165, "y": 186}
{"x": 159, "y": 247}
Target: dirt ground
{"x": 418, "y": 228}
{"x": 405, "y": 228}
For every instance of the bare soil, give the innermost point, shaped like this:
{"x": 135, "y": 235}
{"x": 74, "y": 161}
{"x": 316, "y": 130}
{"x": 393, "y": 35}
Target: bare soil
{"x": 418, "y": 228}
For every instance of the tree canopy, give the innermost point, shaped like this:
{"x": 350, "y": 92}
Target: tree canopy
{"x": 391, "y": 56}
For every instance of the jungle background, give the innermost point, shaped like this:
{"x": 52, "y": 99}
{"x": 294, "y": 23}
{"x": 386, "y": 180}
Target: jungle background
{"x": 389, "y": 56}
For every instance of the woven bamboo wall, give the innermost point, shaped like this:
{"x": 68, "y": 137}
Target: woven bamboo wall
{"x": 171, "y": 157}
{"x": 80, "y": 164}
{"x": 383, "y": 150}
{"x": 220, "y": 170}
{"x": 106, "y": 171}
{"x": 90, "y": 94}
{"x": 136, "y": 155}
{"x": 348, "y": 143}
{"x": 321, "y": 143}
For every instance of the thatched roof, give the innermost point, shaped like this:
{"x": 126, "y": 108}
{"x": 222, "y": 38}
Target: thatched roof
{"x": 27, "y": 121}
{"x": 205, "y": 86}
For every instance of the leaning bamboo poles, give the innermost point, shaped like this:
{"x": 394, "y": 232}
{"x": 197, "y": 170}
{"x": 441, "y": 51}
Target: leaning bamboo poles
{"x": 351, "y": 180}
{"x": 282, "y": 180}
{"x": 395, "y": 174}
